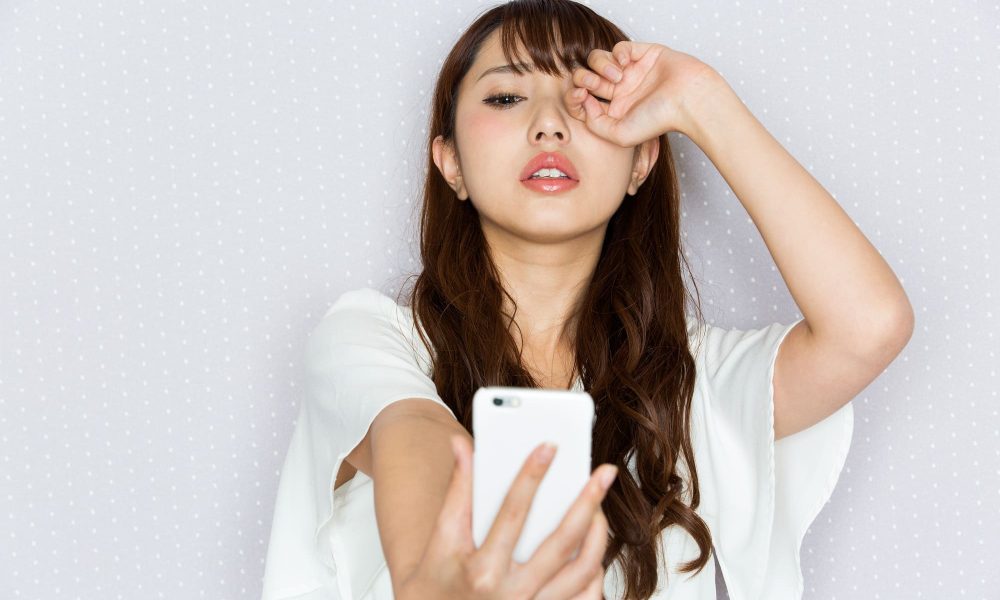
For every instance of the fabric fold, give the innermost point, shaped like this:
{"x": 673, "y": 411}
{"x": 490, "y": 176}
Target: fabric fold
{"x": 761, "y": 495}
{"x": 358, "y": 360}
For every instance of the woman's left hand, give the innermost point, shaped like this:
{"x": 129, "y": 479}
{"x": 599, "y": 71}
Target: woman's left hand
{"x": 656, "y": 92}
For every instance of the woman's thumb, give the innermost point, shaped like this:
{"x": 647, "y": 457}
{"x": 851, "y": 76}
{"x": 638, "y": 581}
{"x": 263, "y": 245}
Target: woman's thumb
{"x": 455, "y": 520}
{"x": 597, "y": 121}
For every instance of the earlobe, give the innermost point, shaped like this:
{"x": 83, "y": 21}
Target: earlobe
{"x": 633, "y": 186}
{"x": 459, "y": 188}
{"x": 646, "y": 154}
{"x": 444, "y": 158}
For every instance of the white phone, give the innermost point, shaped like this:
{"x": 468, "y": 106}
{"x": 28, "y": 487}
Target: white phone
{"x": 507, "y": 424}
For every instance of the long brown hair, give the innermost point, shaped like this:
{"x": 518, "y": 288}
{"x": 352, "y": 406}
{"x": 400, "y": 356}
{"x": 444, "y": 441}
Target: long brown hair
{"x": 631, "y": 344}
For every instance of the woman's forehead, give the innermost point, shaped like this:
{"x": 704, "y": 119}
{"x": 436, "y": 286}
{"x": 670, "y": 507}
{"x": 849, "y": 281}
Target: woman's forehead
{"x": 491, "y": 60}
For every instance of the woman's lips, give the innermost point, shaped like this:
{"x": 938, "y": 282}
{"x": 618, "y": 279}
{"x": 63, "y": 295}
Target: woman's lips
{"x": 550, "y": 185}
{"x": 549, "y": 160}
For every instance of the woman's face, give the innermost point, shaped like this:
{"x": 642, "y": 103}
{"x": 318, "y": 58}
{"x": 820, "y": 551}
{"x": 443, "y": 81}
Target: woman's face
{"x": 496, "y": 138}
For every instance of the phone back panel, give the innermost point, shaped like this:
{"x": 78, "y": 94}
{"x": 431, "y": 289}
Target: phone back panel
{"x": 504, "y": 436}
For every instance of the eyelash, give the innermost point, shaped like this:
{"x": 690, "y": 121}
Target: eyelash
{"x": 493, "y": 101}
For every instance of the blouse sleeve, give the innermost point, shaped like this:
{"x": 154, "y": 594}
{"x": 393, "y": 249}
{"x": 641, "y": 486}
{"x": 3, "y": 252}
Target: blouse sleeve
{"x": 360, "y": 358}
{"x": 760, "y": 496}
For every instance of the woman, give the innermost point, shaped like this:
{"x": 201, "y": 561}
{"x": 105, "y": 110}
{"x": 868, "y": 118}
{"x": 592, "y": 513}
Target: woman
{"x": 586, "y": 268}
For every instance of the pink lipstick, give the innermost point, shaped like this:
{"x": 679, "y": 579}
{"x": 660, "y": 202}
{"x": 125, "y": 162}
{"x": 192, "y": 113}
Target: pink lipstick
{"x": 550, "y": 160}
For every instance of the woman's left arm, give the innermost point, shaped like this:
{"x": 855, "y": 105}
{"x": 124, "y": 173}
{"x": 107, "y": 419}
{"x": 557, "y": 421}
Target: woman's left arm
{"x": 847, "y": 293}
{"x": 857, "y": 317}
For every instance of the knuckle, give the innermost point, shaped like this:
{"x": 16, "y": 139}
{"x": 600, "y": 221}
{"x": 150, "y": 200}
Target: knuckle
{"x": 481, "y": 578}
{"x": 564, "y": 546}
{"x": 482, "y": 585}
{"x": 512, "y": 513}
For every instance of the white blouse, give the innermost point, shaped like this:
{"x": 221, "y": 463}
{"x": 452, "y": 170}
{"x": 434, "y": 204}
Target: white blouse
{"x": 758, "y": 496}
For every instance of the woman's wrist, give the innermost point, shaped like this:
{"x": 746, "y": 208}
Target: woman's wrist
{"x": 704, "y": 98}
{"x": 712, "y": 104}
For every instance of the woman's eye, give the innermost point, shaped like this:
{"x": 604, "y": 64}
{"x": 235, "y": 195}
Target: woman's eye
{"x": 494, "y": 101}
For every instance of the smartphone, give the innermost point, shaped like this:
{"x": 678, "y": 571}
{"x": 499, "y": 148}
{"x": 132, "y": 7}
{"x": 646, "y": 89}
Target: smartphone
{"x": 508, "y": 423}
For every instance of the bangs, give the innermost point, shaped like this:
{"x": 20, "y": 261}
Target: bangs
{"x": 558, "y": 36}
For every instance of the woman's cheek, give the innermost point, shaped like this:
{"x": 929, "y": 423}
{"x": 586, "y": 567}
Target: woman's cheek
{"x": 483, "y": 124}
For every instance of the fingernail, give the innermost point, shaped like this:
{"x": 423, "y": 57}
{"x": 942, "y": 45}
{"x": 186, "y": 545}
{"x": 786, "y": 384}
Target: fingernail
{"x": 608, "y": 476}
{"x": 544, "y": 454}
{"x": 613, "y": 73}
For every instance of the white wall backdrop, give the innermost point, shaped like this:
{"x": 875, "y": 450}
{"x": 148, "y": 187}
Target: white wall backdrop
{"x": 185, "y": 187}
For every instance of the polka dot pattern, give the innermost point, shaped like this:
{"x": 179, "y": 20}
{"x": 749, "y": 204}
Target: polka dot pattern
{"x": 186, "y": 187}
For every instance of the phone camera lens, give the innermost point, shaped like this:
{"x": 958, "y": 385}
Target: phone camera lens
{"x": 498, "y": 401}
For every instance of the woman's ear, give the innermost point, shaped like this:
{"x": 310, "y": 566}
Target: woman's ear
{"x": 645, "y": 157}
{"x": 447, "y": 163}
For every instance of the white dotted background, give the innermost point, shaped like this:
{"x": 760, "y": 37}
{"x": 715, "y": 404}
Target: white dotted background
{"x": 186, "y": 187}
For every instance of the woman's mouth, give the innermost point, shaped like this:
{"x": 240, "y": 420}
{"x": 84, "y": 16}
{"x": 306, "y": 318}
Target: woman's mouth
{"x": 549, "y": 173}
{"x": 550, "y": 185}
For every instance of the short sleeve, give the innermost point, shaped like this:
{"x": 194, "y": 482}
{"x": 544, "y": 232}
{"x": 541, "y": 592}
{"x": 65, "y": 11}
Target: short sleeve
{"x": 759, "y": 496}
{"x": 361, "y": 357}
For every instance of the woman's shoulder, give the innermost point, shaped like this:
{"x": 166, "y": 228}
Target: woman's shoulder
{"x": 367, "y": 307}
{"x": 364, "y": 320}
{"x": 365, "y": 299}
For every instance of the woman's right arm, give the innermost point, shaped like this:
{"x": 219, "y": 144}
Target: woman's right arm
{"x": 407, "y": 452}
{"x": 417, "y": 473}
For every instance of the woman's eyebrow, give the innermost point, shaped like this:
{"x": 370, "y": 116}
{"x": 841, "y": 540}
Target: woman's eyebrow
{"x": 506, "y": 69}
{"x": 510, "y": 69}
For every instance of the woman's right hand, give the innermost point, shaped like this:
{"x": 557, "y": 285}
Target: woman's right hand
{"x": 452, "y": 566}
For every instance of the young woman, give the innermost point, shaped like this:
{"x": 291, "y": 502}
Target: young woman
{"x": 550, "y": 239}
